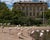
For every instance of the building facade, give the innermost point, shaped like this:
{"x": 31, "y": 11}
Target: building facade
{"x": 32, "y": 9}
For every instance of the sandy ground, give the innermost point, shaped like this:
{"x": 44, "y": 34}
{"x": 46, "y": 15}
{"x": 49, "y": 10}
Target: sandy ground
{"x": 16, "y": 33}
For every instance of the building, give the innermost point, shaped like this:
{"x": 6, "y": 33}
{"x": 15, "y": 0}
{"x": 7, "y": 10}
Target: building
{"x": 32, "y": 9}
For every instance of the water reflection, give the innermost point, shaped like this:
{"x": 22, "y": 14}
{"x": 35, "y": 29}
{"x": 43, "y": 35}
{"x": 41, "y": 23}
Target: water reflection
{"x": 40, "y": 35}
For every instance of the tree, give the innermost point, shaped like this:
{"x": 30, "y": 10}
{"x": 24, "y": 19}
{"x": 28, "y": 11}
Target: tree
{"x": 17, "y": 16}
{"x": 47, "y": 14}
{"x": 5, "y": 13}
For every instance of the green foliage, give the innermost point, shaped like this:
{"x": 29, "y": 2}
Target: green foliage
{"x": 47, "y": 14}
{"x": 5, "y": 13}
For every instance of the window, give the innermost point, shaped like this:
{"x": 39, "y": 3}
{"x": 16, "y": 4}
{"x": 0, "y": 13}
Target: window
{"x": 33, "y": 13}
{"x": 27, "y": 8}
{"x": 30, "y": 8}
{"x": 26, "y": 13}
{"x": 30, "y": 14}
{"x": 23, "y": 8}
{"x": 38, "y": 9}
{"x": 37, "y": 14}
{"x": 41, "y": 8}
{"x": 19, "y": 8}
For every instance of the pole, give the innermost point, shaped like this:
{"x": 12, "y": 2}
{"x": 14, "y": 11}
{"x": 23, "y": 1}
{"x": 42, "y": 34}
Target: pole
{"x": 43, "y": 13}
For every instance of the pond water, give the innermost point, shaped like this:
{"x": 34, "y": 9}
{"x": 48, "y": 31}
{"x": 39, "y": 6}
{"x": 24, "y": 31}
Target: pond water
{"x": 41, "y": 35}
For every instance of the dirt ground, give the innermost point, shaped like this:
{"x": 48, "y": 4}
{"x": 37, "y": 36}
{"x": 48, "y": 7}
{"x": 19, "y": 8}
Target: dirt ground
{"x": 16, "y": 33}
{"x": 13, "y": 33}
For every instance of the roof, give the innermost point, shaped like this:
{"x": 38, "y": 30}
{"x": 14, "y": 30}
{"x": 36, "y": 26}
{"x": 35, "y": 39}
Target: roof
{"x": 29, "y": 2}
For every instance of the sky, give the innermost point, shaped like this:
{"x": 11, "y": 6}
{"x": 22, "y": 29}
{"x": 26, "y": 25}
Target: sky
{"x": 10, "y": 2}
